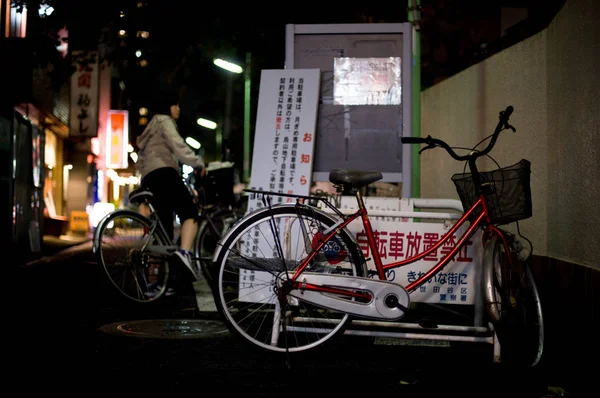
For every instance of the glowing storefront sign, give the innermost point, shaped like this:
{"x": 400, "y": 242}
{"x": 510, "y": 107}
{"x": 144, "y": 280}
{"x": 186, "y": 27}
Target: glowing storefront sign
{"x": 50, "y": 149}
{"x": 117, "y": 139}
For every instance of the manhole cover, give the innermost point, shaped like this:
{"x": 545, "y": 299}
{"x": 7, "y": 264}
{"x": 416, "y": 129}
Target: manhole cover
{"x": 167, "y": 328}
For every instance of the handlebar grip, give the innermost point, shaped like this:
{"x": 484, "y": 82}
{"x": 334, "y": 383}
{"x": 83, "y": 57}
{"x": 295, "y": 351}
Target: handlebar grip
{"x": 413, "y": 140}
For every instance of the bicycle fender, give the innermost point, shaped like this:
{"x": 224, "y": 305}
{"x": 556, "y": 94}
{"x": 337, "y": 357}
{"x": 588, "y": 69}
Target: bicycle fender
{"x": 104, "y": 220}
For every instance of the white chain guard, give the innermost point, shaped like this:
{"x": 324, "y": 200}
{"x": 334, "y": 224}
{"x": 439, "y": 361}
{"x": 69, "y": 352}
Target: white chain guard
{"x": 375, "y": 309}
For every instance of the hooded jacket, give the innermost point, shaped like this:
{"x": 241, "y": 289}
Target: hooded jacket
{"x": 161, "y": 145}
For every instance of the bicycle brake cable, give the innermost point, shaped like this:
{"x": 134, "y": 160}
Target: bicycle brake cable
{"x": 429, "y": 146}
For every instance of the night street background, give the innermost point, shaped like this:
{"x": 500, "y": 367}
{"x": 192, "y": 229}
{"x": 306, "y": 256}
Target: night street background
{"x": 185, "y": 37}
{"x": 63, "y": 315}
{"x": 61, "y": 340}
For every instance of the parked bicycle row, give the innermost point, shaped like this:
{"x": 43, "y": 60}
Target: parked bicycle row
{"x": 289, "y": 277}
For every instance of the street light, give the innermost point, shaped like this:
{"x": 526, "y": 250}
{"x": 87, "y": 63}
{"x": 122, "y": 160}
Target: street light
{"x": 193, "y": 143}
{"x": 228, "y": 66}
{"x": 234, "y": 68}
{"x": 209, "y": 124}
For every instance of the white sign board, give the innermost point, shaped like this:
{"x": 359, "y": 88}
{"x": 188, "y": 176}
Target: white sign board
{"x": 284, "y": 141}
{"x": 282, "y": 157}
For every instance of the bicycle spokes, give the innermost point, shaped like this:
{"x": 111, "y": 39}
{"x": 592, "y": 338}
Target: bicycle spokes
{"x": 254, "y": 279}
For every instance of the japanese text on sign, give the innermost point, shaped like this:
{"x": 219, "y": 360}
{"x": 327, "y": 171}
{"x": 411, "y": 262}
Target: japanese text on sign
{"x": 284, "y": 143}
{"x": 455, "y": 283}
{"x": 284, "y": 140}
{"x": 84, "y": 95}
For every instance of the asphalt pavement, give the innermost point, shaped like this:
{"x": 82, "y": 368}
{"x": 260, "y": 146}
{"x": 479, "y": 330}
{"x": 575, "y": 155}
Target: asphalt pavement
{"x": 71, "y": 334}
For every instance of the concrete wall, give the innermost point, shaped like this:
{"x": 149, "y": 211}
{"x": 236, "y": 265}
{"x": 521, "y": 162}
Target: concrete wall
{"x": 553, "y": 81}
{"x": 573, "y": 194}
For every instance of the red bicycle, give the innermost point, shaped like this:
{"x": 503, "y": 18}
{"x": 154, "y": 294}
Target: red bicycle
{"x": 290, "y": 276}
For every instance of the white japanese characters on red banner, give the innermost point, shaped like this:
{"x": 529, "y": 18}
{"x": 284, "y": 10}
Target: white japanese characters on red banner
{"x": 454, "y": 284}
{"x": 285, "y": 133}
{"x": 84, "y": 95}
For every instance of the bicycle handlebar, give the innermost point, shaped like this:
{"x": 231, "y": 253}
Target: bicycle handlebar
{"x": 435, "y": 142}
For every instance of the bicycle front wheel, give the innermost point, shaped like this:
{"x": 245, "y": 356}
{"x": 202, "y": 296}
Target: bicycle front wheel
{"x": 513, "y": 305}
{"x": 122, "y": 246}
{"x": 255, "y": 253}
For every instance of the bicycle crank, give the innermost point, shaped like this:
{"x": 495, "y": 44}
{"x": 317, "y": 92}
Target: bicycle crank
{"x": 389, "y": 301}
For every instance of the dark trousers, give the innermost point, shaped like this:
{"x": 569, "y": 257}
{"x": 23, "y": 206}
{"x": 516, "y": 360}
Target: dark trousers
{"x": 170, "y": 197}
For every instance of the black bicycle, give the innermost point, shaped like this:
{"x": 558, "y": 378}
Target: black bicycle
{"x": 134, "y": 249}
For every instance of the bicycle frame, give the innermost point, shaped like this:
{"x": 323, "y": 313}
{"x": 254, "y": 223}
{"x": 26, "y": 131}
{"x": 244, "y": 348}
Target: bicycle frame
{"x": 156, "y": 226}
{"x": 204, "y": 213}
{"x": 159, "y": 227}
{"x": 482, "y": 221}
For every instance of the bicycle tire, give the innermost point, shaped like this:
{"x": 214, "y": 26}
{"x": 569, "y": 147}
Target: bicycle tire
{"x": 245, "y": 313}
{"x": 119, "y": 244}
{"x": 513, "y": 306}
{"x": 212, "y": 229}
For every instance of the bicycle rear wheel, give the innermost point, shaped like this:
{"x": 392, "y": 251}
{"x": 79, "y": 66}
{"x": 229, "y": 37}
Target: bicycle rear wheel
{"x": 513, "y": 305}
{"x": 212, "y": 228}
{"x": 250, "y": 262}
{"x": 121, "y": 245}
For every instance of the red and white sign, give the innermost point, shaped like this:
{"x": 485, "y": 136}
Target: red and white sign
{"x": 84, "y": 95}
{"x": 456, "y": 283}
{"x": 284, "y": 140}
{"x": 117, "y": 138}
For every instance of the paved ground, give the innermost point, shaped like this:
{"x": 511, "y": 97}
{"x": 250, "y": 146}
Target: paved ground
{"x": 63, "y": 339}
